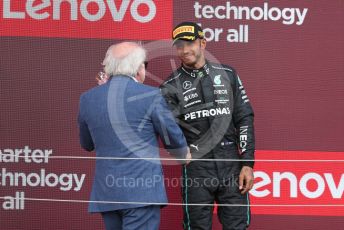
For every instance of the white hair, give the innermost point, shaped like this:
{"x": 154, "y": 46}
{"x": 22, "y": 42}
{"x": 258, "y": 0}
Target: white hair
{"x": 127, "y": 64}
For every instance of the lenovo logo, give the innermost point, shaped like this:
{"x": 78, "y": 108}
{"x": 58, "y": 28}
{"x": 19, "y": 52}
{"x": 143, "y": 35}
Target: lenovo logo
{"x": 41, "y": 10}
{"x": 125, "y": 19}
{"x": 297, "y": 186}
{"x": 298, "y": 183}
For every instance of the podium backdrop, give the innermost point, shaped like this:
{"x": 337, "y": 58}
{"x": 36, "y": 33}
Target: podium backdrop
{"x": 289, "y": 54}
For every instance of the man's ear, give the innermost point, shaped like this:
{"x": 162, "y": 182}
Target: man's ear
{"x": 140, "y": 75}
{"x": 203, "y": 43}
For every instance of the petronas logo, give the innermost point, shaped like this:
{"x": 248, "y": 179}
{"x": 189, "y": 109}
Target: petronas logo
{"x": 217, "y": 79}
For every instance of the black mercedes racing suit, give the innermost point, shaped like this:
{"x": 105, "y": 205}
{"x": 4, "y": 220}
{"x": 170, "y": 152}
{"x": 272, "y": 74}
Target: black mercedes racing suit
{"x": 211, "y": 106}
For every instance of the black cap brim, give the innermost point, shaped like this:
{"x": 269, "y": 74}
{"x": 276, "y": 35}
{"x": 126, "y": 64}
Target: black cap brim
{"x": 184, "y": 39}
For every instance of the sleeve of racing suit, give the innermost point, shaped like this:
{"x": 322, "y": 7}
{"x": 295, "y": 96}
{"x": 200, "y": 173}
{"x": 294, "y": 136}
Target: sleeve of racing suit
{"x": 168, "y": 91}
{"x": 168, "y": 130}
{"x": 243, "y": 117}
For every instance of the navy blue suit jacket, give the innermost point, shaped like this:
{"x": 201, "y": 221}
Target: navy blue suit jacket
{"x": 124, "y": 118}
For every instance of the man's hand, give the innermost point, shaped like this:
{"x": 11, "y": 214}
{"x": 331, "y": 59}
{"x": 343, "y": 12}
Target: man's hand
{"x": 246, "y": 179}
{"x": 188, "y": 156}
{"x": 102, "y": 78}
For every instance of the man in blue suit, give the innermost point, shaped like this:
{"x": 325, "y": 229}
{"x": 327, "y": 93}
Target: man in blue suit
{"x": 121, "y": 121}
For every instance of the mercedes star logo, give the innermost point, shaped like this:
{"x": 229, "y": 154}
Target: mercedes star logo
{"x": 187, "y": 84}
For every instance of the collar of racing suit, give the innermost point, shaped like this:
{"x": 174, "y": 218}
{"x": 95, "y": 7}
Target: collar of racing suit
{"x": 201, "y": 72}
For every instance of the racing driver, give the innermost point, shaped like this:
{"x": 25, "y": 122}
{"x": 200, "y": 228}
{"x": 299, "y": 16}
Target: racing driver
{"x": 211, "y": 106}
